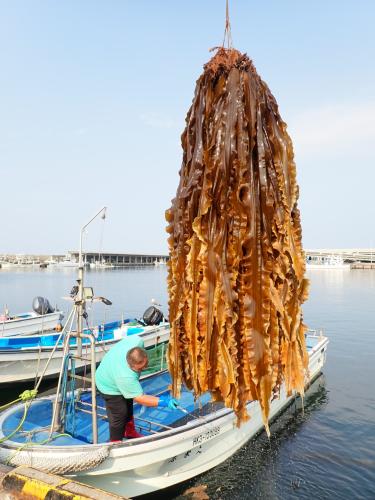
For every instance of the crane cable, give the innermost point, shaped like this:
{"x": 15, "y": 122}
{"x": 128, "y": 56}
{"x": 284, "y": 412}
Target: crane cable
{"x": 227, "y": 31}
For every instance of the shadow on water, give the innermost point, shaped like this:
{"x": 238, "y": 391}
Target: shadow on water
{"x": 12, "y": 391}
{"x": 253, "y": 472}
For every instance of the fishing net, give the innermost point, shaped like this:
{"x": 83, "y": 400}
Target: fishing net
{"x": 236, "y": 271}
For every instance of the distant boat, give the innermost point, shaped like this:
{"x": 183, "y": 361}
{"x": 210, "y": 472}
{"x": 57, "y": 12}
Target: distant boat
{"x": 67, "y": 263}
{"x": 329, "y": 262}
{"x": 29, "y": 323}
{"x": 51, "y": 262}
{"x": 160, "y": 262}
{"x": 101, "y": 265}
{"x": 24, "y": 357}
{"x": 6, "y": 265}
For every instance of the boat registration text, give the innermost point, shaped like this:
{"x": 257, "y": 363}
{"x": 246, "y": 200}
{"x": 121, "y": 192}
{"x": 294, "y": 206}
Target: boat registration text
{"x": 206, "y": 436}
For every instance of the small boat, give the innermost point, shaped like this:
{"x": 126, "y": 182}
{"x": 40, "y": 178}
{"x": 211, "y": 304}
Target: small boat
{"x": 38, "y": 320}
{"x": 160, "y": 262}
{"x": 23, "y": 358}
{"x": 67, "y": 262}
{"x": 67, "y": 433}
{"x": 176, "y": 445}
{"x": 330, "y": 262}
{"x": 4, "y": 264}
{"x": 101, "y": 265}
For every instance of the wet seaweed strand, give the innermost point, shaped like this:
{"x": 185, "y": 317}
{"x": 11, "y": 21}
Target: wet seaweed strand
{"x": 236, "y": 272}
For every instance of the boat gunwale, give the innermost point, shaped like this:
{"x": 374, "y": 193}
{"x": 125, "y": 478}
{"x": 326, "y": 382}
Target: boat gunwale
{"x": 188, "y": 426}
{"x": 47, "y": 348}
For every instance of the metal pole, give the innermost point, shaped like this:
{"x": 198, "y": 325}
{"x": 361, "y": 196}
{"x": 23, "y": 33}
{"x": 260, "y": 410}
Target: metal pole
{"x": 162, "y": 357}
{"x": 79, "y": 305}
{"x": 56, "y": 421}
{"x": 71, "y": 316}
{"x": 93, "y": 387}
{"x": 93, "y": 392}
{"x": 80, "y": 300}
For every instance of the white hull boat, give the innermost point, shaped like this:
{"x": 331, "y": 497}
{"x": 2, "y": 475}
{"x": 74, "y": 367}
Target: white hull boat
{"x": 29, "y": 323}
{"x": 177, "y": 445}
{"x": 331, "y": 262}
{"x": 23, "y": 359}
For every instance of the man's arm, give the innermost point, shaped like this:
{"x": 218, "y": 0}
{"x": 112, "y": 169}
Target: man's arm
{"x": 146, "y": 400}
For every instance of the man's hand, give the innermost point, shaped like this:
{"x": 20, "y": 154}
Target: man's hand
{"x": 165, "y": 401}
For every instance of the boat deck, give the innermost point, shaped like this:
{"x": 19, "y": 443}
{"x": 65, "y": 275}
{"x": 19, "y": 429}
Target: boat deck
{"x": 148, "y": 420}
{"x": 49, "y": 340}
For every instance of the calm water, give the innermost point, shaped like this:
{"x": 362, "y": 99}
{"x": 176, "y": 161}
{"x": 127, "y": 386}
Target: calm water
{"x": 327, "y": 451}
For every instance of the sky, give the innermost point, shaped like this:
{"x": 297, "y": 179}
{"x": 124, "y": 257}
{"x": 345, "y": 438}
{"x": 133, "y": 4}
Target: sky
{"x": 93, "y": 99}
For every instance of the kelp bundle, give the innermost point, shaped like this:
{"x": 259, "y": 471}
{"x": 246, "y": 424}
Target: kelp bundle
{"x": 236, "y": 271}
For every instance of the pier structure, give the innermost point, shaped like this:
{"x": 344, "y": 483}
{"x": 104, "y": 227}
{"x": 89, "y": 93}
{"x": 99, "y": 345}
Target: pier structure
{"x": 120, "y": 259}
{"x": 72, "y": 257}
{"x": 33, "y": 484}
{"x": 352, "y": 255}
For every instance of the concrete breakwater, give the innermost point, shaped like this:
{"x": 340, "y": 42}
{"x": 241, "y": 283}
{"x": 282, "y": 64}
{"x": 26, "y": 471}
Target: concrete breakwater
{"x": 107, "y": 259}
{"x": 347, "y": 254}
{"x": 26, "y": 482}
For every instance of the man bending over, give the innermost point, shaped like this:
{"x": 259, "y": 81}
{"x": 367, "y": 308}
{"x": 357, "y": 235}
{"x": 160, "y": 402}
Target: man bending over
{"x": 117, "y": 378}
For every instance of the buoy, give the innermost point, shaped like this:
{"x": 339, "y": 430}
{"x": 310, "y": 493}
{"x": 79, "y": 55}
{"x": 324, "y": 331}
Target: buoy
{"x": 58, "y": 327}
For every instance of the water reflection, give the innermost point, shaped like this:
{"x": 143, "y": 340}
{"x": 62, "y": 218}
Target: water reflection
{"x": 263, "y": 468}
{"x": 327, "y": 452}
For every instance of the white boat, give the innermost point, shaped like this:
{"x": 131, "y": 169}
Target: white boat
{"x": 67, "y": 262}
{"x": 29, "y": 323}
{"x": 4, "y": 264}
{"x": 160, "y": 262}
{"x": 51, "y": 262}
{"x": 24, "y": 358}
{"x": 327, "y": 262}
{"x": 101, "y": 265}
{"x": 176, "y": 445}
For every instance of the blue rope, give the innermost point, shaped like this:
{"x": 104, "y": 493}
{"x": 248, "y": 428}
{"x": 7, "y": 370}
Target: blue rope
{"x": 70, "y": 419}
{"x": 68, "y": 396}
{"x": 64, "y": 382}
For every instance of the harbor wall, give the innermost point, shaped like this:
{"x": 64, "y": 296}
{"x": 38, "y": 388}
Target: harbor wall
{"x": 28, "y": 483}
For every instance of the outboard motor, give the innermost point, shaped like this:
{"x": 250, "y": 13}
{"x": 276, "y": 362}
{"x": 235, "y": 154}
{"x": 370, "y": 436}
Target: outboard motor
{"x": 42, "y": 306}
{"x": 152, "y": 316}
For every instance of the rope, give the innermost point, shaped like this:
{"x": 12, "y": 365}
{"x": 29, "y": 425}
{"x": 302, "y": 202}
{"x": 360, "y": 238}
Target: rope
{"x": 63, "y": 463}
{"x": 26, "y": 397}
{"x": 38, "y": 365}
{"x": 70, "y": 415}
{"x": 227, "y": 31}
{"x": 31, "y": 443}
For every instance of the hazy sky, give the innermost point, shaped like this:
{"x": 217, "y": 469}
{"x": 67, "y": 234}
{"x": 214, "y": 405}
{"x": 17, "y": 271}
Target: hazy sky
{"x": 94, "y": 94}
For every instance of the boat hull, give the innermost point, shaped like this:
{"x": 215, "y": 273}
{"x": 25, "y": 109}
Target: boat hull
{"x": 137, "y": 467}
{"x": 30, "y": 325}
{"x": 328, "y": 266}
{"x": 23, "y": 365}
{"x": 142, "y": 469}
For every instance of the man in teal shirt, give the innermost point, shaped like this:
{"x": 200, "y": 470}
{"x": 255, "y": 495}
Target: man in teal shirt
{"x": 117, "y": 378}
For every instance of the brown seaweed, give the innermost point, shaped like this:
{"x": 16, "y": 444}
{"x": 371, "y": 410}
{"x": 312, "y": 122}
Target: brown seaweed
{"x": 236, "y": 271}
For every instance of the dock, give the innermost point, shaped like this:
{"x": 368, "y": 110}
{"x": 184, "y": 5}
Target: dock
{"x": 26, "y": 482}
{"x": 352, "y": 255}
{"x": 358, "y": 258}
{"x": 121, "y": 259}
{"x": 363, "y": 265}
{"x": 114, "y": 259}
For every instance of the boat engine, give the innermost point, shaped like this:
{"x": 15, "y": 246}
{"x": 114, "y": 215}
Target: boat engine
{"x": 152, "y": 316}
{"x": 41, "y": 305}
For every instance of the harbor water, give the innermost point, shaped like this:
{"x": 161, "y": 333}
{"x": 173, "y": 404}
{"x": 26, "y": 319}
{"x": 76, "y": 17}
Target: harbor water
{"x": 326, "y": 449}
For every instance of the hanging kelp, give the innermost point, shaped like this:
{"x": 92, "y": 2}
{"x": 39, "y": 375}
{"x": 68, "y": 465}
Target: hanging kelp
{"x": 236, "y": 271}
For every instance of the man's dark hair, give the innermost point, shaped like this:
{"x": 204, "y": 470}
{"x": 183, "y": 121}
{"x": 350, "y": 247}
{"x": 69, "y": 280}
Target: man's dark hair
{"x": 136, "y": 355}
